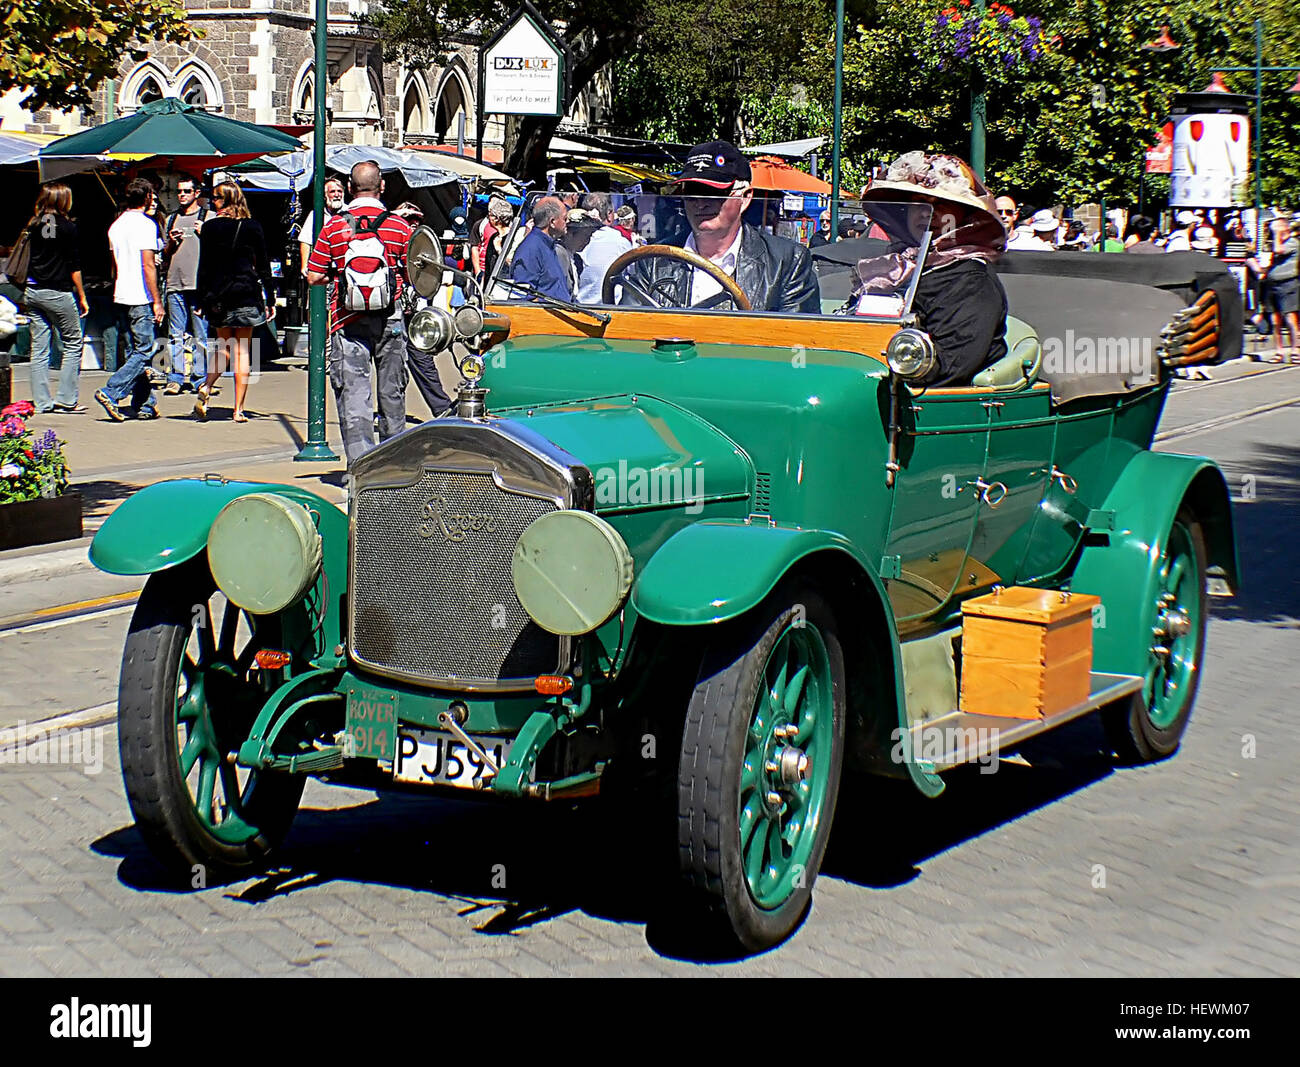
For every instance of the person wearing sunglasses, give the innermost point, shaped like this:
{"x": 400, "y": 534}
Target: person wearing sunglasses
{"x": 774, "y": 273}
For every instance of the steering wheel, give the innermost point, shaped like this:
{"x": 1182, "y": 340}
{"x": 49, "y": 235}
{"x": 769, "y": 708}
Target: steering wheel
{"x": 658, "y": 298}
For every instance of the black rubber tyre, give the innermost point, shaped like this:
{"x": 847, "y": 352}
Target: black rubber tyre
{"x": 719, "y": 903}
{"x": 160, "y": 798}
{"x": 1132, "y": 733}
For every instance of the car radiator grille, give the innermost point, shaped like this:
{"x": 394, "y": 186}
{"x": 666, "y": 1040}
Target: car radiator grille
{"x": 433, "y": 597}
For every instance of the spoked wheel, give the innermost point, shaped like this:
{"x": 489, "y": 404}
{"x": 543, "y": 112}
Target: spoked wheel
{"x": 1150, "y": 725}
{"x": 759, "y": 773}
{"x": 188, "y": 695}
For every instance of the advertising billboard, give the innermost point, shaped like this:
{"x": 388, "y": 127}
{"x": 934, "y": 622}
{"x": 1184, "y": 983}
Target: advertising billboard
{"x": 1211, "y": 151}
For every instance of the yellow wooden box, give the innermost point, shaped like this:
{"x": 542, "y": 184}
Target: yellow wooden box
{"x": 1026, "y": 653}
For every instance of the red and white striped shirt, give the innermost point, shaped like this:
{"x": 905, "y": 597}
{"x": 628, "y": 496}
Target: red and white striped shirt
{"x": 331, "y": 248}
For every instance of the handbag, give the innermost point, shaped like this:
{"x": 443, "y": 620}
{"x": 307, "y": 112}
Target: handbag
{"x": 20, "y": 260}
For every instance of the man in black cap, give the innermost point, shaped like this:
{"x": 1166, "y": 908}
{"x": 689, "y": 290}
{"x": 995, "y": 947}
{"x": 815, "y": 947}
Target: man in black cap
{"x": 774, "y": 274}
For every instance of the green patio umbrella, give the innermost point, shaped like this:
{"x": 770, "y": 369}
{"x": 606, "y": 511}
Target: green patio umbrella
{"x": 186, "y": 135}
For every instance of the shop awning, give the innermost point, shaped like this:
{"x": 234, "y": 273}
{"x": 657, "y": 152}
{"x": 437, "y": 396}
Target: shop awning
{"x": 277, "y": 173}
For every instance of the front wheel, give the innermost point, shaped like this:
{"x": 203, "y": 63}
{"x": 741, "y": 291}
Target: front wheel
{"x": 1150, "y": 725}
{"x": 759, "y": 773}
{"x": 189, "y": 692}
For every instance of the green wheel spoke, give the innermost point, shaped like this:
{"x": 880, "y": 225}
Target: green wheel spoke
{"x": 207, "y": 786}
{"x": 1176, "y": 572}
{"x": 194, "y": 747}
{"x": 754, "y": 854}
{"x": 776, "y": 690}
{"x": 189, "y": 669}
{"x": 794, "y": 694}
{"x": 751, "y": 815}
{"x": 230, "y": 787}
{"x": 774, "y": 868}
{"x": 749, "y": 772}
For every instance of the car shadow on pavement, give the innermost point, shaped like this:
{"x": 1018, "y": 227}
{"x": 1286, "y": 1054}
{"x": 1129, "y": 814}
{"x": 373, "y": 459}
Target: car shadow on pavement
{"x": 895, "y": 829}
{"x": 509, "y": 866}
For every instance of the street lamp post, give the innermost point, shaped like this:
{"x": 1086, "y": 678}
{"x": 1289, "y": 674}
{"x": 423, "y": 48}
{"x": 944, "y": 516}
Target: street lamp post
{"x": 836, "y": 120}
{"x": 978, "y": 114}
{"x": 1259, "y": 69}
{"x": 316, "y": 448}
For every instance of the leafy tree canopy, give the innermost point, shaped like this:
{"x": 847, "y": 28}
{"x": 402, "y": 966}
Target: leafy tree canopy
{"x": 61, "y": 50}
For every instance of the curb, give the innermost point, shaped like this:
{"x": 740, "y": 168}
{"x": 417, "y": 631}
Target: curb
{"x": 46, "y": 564}
{"x": 21, "y": 736}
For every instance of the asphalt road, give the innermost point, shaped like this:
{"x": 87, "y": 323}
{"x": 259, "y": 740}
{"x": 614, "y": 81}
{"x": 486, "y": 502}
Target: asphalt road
{"x": 1063, "y": 865}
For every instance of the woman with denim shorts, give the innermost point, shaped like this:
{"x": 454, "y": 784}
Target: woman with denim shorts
{"x": 234, "y": 291}
{"x": 54, "y": 300}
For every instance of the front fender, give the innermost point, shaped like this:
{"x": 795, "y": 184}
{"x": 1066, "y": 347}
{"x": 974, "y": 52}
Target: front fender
{"x": 166, "y": 524}
{"x": 709, "y": 572}
{"x": 1144, "y": 501}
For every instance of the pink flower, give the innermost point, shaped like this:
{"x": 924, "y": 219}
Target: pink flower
{"x": 12, "y": 426}
{"x": 21, "y": 408}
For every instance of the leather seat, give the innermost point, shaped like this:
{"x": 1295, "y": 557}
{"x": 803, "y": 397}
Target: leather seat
{"x": 1020, "y": 367}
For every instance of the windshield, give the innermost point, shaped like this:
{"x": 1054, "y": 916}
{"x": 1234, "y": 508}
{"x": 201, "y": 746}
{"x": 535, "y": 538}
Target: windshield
{"x": 751, "y": 252}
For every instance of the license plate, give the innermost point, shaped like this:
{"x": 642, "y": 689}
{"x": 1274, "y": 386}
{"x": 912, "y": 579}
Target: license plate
{"x": 431, "y": 757}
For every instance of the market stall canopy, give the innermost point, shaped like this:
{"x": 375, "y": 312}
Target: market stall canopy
{"x": 463, "y": 165}
{"x": 787, "y": 149}
{"x": 276, "y": 173}
{"x": 187, "y": 135}
{"x": 24, "y": 149}
{"x": 774, "y": 174}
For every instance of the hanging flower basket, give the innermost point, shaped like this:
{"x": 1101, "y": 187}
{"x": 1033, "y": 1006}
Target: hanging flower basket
{"x": 996, "y": 43}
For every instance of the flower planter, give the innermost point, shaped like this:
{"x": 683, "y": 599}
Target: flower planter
{"x": 41, "y": 521}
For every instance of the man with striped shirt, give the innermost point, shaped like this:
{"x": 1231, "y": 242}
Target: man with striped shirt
{"x": 359, "y": 339}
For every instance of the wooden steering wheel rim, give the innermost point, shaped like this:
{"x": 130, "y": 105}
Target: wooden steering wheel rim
{"x": 715, "y": 272}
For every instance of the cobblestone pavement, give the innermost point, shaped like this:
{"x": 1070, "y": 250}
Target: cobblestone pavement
{"x": 1002, "y": 875}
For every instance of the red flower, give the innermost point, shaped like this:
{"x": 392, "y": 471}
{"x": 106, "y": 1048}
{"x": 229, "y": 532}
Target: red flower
{"x": 21, "y": 408}
{"x": 29, "y": 453}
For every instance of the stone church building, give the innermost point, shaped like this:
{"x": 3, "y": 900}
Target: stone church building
{"x": 254, "y": 62}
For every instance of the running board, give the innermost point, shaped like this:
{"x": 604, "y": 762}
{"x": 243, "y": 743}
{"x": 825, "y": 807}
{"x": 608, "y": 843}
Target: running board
{"x": 946, "y": 742}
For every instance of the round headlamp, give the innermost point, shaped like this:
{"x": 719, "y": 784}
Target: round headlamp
{"x": 910, "y": 354}
{"x": 571, "y": 571}
{"x": 469, "y": 321}
{"x": 264, "y": 552}
{"x": 430, "y": 329}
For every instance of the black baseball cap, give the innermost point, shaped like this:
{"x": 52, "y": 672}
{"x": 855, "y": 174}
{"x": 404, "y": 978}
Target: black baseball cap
{"x": 717, "y": 164}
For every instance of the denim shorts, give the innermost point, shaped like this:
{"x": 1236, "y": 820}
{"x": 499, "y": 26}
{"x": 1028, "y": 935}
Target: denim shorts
{"x": 237, "y": 318}
{"x": 1284, "y": 297}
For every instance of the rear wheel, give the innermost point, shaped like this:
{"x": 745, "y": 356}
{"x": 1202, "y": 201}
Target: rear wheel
{"x": 188, "y": 695}
{"x": 1150, "y": 724}
{"x": 760, "y": 766}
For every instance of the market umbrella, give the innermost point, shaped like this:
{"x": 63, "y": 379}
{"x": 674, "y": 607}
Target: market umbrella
{"x": 779, "y": 176}
{"x": 279, "y": 173}
{"x": 463, "y": 165}
{"x": 185, "y": 134}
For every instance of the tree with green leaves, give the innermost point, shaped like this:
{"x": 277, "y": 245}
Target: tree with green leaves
{"x": 61, "y": 50}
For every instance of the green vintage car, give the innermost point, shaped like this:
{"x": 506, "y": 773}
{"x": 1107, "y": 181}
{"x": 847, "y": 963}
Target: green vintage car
{"x": 718, "y": 548}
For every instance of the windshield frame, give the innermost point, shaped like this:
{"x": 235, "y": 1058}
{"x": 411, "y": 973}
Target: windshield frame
{"x": 495, "y": 286}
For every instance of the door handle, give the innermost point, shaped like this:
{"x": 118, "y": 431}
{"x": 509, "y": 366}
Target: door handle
{"x": 990, "y": 493}
{"x": 1067, "y": 483}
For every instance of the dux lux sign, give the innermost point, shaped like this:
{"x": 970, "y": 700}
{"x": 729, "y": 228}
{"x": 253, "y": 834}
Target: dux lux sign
{"x": 1211, "y": 159}
{"x": 523, "y": 70}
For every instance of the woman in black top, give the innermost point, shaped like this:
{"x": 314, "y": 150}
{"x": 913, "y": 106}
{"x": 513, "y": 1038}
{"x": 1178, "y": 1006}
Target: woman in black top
{"x": 54, "y": 300}
{"x": 234, "y": 290}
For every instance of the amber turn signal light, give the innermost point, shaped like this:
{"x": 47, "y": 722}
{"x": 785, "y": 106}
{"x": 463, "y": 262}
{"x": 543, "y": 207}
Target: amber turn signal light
{"x": 553, "y": 685}
{"x": 271, "y": 659}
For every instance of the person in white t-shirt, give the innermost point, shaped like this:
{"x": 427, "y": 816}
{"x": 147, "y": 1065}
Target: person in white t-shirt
{"x": 136, "y": 245}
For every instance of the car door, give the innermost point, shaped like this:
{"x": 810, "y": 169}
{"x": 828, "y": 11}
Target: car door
{"x": 1017, "y": 472}
{"x": 942, "y": 443}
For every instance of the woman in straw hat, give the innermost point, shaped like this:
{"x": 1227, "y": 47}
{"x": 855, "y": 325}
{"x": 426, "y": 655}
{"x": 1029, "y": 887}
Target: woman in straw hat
{"x": 959, "y": 300}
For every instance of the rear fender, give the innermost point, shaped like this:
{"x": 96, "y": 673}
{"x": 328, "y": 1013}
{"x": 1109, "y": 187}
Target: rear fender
{"x": 1144, "y": 502}
{"x": 711, "y": 572}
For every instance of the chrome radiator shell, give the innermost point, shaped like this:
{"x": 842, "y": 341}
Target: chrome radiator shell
{"x": 434, "y": 515}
